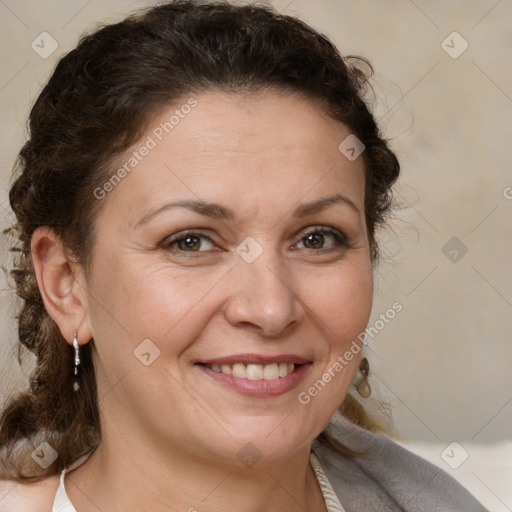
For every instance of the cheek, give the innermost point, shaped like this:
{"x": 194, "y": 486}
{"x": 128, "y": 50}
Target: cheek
{"x": 340, "y": 308}
{"x": 341, "y": 300}
{"x": 140, "y": 301}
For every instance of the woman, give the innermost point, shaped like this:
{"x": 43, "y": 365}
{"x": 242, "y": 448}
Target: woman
{"x": 197, "y": 206}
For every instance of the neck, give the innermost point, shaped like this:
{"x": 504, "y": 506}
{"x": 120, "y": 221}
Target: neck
{"x": 124, "y": 475}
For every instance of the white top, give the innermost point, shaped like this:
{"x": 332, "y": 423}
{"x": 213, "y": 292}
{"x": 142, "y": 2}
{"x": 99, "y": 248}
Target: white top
{"x": 62, "y": 503}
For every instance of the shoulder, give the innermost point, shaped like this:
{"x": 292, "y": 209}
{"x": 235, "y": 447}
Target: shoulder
{"x": 31, "y": 497}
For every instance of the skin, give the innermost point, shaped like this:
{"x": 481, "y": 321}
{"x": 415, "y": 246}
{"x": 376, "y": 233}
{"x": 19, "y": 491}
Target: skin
{"x": 261, "y": 155}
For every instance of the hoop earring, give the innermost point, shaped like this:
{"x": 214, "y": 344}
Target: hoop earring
{"x": 360, "y": 381}
{"x": 76, "y": 365}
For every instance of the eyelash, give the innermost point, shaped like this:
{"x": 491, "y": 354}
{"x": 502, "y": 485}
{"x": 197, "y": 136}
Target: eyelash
{"x": 338, "y": 236}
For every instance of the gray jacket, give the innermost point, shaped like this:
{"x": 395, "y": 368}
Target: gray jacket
{"x": 387, "y": 477}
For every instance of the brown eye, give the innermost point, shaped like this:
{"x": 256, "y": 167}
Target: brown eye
{"x": 322, "y": 238}
{"x": 188, "y": 242}
{"x": 314, "y": 241}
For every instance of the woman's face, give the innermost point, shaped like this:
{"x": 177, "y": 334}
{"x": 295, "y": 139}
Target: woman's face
{"x": 236, "y": 244}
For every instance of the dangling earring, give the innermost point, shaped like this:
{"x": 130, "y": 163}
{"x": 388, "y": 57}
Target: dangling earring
{"x": 76, "y": 365}
{"x": 360, "y": 381}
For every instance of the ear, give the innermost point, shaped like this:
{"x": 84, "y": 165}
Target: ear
{"x": 62, "y": 285}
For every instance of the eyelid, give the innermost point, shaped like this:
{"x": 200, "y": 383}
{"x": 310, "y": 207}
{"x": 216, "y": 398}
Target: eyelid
{"x": 176, "y": 237}
{"x": 319, "y": 227}
{"x": 326, "y": 230}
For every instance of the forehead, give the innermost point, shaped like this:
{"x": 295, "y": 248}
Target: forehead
{"x": 261, "y": 146}
{"x": 257, "y": 123}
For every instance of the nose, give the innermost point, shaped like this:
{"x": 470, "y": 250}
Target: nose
{"x": 262, "y": 299}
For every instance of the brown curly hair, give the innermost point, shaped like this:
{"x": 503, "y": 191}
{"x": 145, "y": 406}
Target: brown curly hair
{"x": 98, "y": 102}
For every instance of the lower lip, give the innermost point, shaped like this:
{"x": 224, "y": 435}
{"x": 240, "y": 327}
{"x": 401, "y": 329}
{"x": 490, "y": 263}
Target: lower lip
{"x": 260, "y": 388}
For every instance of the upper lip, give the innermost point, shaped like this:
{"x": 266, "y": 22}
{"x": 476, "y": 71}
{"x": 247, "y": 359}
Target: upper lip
{"x": 256, "y": 359}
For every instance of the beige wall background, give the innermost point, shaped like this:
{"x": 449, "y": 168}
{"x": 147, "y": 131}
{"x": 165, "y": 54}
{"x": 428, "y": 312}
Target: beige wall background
{"x": 443, "y": 363}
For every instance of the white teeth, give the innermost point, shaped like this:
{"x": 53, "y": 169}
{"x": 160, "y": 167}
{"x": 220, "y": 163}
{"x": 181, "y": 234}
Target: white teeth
{"x": 226, "y": 368}
{"x": 239, "y": 371}
{"x": 255, "y": 371}
{"x": 271, "y": 372}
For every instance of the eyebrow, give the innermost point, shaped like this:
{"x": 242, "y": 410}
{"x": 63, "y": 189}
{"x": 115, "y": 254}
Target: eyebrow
{"x": 322, "y": 204}
{"x": 213, "y": 210}
{"x": 218, "y": 211}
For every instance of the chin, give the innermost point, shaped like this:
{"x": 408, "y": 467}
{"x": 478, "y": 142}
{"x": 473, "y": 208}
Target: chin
{"x": 268, "y": 439}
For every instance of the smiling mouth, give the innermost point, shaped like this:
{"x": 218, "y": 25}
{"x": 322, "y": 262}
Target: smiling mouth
{"x": 271, "y": 371}
{"x": 256, "y": 375}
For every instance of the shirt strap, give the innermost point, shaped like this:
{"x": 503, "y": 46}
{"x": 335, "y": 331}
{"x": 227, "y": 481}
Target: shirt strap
{"x": 331, "y": 500}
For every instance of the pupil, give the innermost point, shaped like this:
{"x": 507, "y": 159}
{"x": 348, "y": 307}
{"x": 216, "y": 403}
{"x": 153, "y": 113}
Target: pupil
{"x": 190, "y": 242}
{"x": 315, "y": 240}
